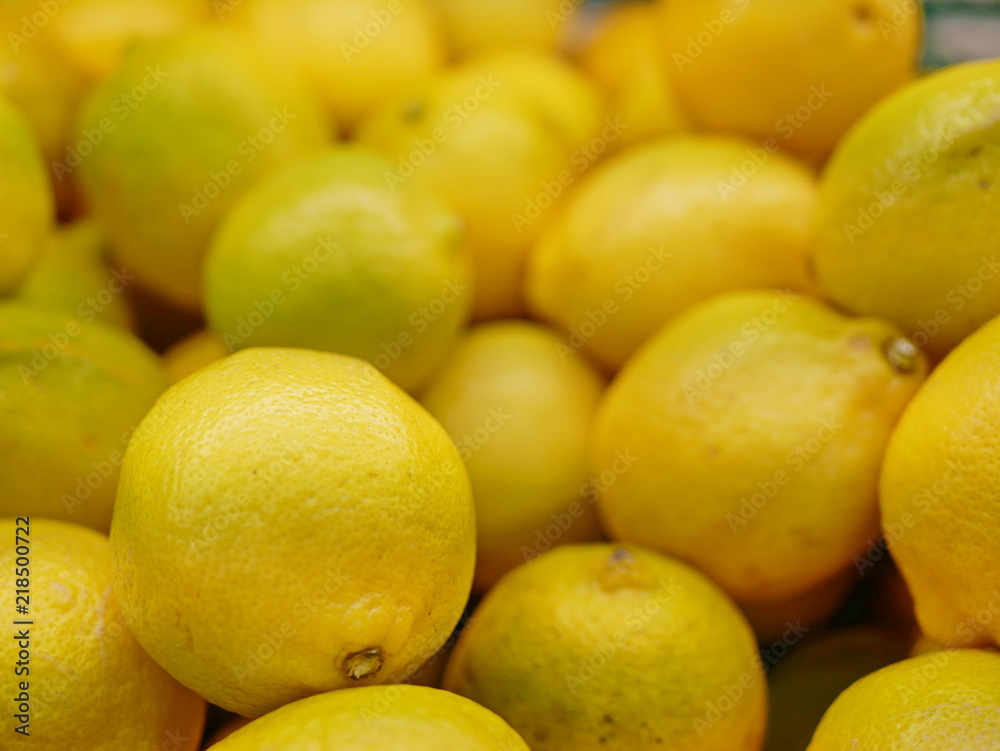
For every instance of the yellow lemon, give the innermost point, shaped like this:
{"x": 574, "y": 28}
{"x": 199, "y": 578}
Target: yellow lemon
{"x": 795, "y": 75}
{"x": 72, "y": 391}
{"x": 354, "y": 53}
{"x": 479, "y": 25}
{"x": 289, "y": 522}
{"x": 939, "y": 496}
{"x": 758, "y": 421}
{"x": 193, "y": 353}
{"x": 937, "y": 702}
{"x": 173, "y": 138}
{"x": 624, "y": 57}
{"x": 376, "y": 718}
{"x": 37, "y": 78}
{"x": 73, "y": 272}
{"x": 93, "y": 35}
{"x": 663, "y": 226}
{"x": 910, "y": 209}
{"x": 519, "y": 406}
{"x": 806, "y": 682}
{"x": 499, "y": 137}
{"x": 76, "y": 673}
{"x": 25, "y": 196}
{"x": 326, "y": 255}
{"x": 614, "y": 648}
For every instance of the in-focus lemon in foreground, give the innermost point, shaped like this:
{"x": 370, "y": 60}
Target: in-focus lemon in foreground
{"x": 25, "y": 195}
{"x": 91, "y": 686}
{"x": 326, "y": 255}
{"x": 520, "y": 411}
{"x": 72, "y": 391}
{"x": 940, "y": 498}
{"x": 795, "y": 74}
{"x": 758, "y": 421}
{"x": 290, "y": 522}
{"x": 909, "y": 223}
{"x": 377, "y": 718}
{"x": 599, "y": 647}
{"x": 173, "y": 137}
{"x": 666, "y": 225}
{"x": 937, "y": 702}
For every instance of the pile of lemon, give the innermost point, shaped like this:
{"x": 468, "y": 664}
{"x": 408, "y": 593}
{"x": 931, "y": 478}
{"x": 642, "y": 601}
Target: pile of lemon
{"x": 496, "y": 375}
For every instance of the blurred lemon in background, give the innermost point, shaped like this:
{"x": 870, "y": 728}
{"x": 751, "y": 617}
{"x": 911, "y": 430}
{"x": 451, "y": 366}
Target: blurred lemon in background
{"x": 909, "y": 223}
{"x": 167, "y": 144}
{"x": 74, "y": 273}
{"x": 520, "y": 409}
{"x": 325, "y": 255}
{"x": 501, "y": 137}
{"x": 795, "y": 74}
{"x": 624, "y": 57}
{"x": 90, "y": 683}
{"x": 192, "y": 353}
{"x": 72, "y": 391}
{"x": 475, "y": 26}
{"x": 354, "y": 53}
{"x": 663, "y": 226}
{"x": 25, "y": 195}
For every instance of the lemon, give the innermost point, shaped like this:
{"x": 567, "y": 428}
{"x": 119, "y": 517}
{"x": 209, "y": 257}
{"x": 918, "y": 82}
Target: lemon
{"x": 354, "y": 53}
{"x": 290, "y": 522}
{"x": 758, "y": 421}
{"x": 325, "y": 255}
{"x": 414, "y": 718}
{"x": 806, "y": 682}
{"x": 520, "y": 411}
{"x": 624, "y": 57}
{"x": 937, "y": 702}
{"x": 910, "y": 218}
{"x": 500, "y": 138}
{"x": 73, "y": 272}
{"x": 193, "y": 353}
{"x": 939, "y": 497}
{"x": 168, "y": 143}
{"x": 772, "y": 618}
{"x": 604, "y": 647}
{"x": 227, "y": 730}
{"x": 93, "y": 35}
{"x": 76, "y": 673}
{"x": 37, "y": 79}
{"x": 72, "y": 391}
{"x": 475, "y": 26}
{"x": 25, "y": 195}
{"x": 666, "y": 225}
{"x": 796, "y": 75}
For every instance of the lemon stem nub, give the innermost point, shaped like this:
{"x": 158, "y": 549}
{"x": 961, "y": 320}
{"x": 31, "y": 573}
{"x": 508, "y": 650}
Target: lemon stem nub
{"x": 902, "y": 355}
{"x": 363, "y": 664}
